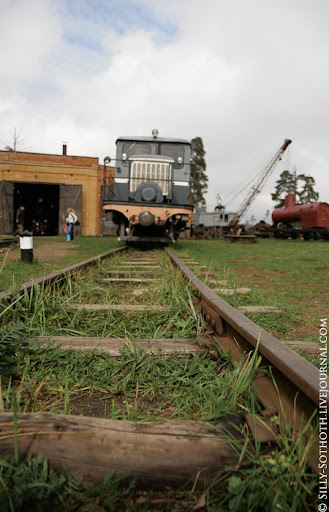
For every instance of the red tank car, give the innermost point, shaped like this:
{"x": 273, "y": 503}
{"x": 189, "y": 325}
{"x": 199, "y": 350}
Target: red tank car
{"x": 313, "y": 218}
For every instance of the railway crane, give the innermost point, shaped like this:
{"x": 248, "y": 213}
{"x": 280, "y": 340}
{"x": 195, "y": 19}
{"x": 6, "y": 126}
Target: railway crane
{"x": 257, "y": 187}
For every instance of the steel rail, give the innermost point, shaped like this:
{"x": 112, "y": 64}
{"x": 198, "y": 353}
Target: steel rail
{"x": 59, "y": 274}
{"x": 294, "y": 367}
{"x": 152, "y": 450}
{"x": 8, "y": 242}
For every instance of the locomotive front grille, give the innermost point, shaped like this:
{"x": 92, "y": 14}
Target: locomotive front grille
{"x": 157, "y": 172}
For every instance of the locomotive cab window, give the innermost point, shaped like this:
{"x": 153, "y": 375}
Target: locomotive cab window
{"x": 136, "y": 148}
{"x": 174, "y": 151}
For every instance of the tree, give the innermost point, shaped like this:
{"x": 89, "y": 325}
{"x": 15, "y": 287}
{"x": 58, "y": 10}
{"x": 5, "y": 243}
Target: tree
{"x": 298, "y": 184}
{"x": 287, "y": 184}
{"x": 307, "y": 194}
{"x": 198, "y": 172}
{"x": 16, "y": 144}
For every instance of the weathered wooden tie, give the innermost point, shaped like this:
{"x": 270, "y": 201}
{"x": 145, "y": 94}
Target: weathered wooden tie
{"x": 141, "y": 261}
{"x": 114, "y": 346}
{"x": 309, "y": 347}
{"x": 139, "y": 291}
{"x": 232, "y": 291}
{"x": 138, "y": 264}
{"x": 217, "y": 281}
{"x": 117, "y": 307}
{"x": 142, "y": 267}
{"x": 164, "y": 453}
{"x": 259, "y": 309}
{"x": 128, "y": 280}
{"x": 123, "y": 273}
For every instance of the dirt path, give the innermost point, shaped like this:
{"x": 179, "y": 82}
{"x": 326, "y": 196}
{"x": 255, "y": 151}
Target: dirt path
{"x": 49, "y": 251}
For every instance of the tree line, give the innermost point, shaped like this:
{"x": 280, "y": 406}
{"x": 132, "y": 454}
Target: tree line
{"x": 301, "y": 185}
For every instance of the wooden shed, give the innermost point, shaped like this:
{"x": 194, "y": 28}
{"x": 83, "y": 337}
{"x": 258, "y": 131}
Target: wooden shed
{"x": 47, "y": 185}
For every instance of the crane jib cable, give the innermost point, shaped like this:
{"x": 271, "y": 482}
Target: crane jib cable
{"x": 258, "y": 185}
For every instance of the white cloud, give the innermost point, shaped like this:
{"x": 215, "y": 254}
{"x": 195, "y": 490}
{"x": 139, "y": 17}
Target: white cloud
{"x": 242, "y": 75}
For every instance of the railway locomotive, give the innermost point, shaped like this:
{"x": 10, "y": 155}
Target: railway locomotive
{"x": 151, "y": 199}
{"x": 306, "y": 220}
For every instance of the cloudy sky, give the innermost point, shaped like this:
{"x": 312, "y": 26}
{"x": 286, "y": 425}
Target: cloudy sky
{"x": 243, "y": 75}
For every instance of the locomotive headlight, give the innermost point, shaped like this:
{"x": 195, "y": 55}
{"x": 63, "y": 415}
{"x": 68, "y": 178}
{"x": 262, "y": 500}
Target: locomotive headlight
{"x": 124, "y": 156}
{"x": 155, "y": 133}
{"x": 146, "y": 218}
{"x": 179, "y": 160}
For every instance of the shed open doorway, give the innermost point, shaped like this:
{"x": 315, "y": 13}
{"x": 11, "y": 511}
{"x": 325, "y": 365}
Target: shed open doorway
{"x": 41, "y": 203}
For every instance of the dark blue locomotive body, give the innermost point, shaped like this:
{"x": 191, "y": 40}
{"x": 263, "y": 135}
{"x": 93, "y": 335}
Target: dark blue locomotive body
{"x": 151, "y": 201}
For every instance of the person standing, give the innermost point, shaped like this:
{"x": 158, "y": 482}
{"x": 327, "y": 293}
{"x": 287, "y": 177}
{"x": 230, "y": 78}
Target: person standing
{"x": 70, "y": 221}
{"x": 20, "y": 220}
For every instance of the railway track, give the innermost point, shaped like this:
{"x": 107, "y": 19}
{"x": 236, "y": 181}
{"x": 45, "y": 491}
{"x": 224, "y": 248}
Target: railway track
{"x": 145, "y": 295}
{"x": 8, "y": 242}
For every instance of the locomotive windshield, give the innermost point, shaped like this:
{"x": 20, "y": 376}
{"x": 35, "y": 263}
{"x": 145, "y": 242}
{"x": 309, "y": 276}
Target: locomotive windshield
{"x": 158, "y": 148}
{"x": 136, "y": 148}
{"x": 173, "y": 150}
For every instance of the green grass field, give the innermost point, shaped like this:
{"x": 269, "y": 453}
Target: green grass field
{"x": 291, "y": 275}
{"x": 50, "y": 253}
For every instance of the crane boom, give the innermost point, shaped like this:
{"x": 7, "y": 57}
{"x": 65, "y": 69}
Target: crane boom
{"x": 258, "y": 185}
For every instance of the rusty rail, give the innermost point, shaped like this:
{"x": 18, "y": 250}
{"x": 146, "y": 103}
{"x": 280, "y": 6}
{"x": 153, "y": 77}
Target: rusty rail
{"x": 298, "y": 370}
{"x": 289, "y": 388}
{"x": 59, "y": 274}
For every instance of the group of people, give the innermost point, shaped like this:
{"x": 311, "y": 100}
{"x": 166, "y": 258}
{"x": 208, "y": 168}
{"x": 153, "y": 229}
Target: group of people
{"x": 70, "y": 221}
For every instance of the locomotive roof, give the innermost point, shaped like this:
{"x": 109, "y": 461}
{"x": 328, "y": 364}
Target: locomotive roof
{"x": 154, "y": 139}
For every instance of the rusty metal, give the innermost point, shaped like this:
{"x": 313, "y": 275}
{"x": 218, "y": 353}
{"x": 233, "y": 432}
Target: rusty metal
{"x": 8, "y": 243}
{"x": 59, "y": 274}
{"x": 161, "y": 213}
{"x": 296, "y": 379}
{"x": 237, "y": 327}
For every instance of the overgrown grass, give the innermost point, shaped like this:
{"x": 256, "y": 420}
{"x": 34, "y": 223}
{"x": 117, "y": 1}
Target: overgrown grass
{"x": 136, "y": 387}
{"x": 33, "y": 486}
{"x": 15, "y": 272}
{"x": 289, "y": 274}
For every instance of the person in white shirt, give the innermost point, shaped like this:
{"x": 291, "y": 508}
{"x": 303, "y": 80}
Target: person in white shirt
{"x": 71, "y": 220}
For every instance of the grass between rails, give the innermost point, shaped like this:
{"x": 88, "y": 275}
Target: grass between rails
{"x": 137, "y": 387}
{"x": 271, "y": 481}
